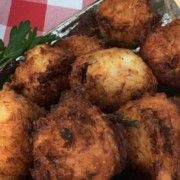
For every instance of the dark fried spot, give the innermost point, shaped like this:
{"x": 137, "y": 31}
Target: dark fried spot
{"x": 101, "y": 137}
{"x": 164, "y": 130}
{"x": 37, "y": 164}
{"x": 166, "y": 66}
{"x": 121, "y": 143}
{"x": 51, "y": 157}
{"x": 166, "y": 133}
{"x": 66, "y": 134}
{"x": 91, "y": 176}
{"x": 77, "y": 112}
{"x": 62, "y": 68}
{"x": 43, "y": 79}
{"x": 175, "y": 61}
{"x": 105, "y": 22}
{"x": 176, "y": 101}
{"x": 175, "y": 176}
{"x": 88, "y": 137}
{"x": 46, "y": 175}
{"x": 156, "y": 169}
{"x": 148, "y": 114}
{"x": 83, "y": 73}
{"x": 154, "y": 142}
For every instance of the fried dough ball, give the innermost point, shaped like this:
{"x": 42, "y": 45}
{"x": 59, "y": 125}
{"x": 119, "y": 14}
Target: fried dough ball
{"x": 112, "y": 77}
{"x": 77, "y": 142}
{"x": 125, "y": 23}
{"x": 79, "y": 45}
{"x": 43, "y": 74}
{"x": 16, "y": 116}
{"x": 154, "y": 146}
{"x": 161, "y": 50}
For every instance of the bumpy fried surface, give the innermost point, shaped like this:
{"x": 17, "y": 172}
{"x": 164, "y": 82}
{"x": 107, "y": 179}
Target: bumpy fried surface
{"x": 77, "y": 142}
{"x": 43, "y": 74}
{"x": 79, "y": 45}
{"x": 16, "y": 116}
{"x": 111, "y": 77}
{"x": 154, "y": 146}
{"x": 162, "y": 52}
{"x": 125, "y": 22}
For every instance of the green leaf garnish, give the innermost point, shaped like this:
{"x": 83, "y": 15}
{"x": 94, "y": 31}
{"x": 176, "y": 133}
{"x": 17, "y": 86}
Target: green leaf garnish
{"x": 43, "y": 39}
{"x": 1, "y": 48}
{"x": 22, "y": 38}
{"x": 1, "y": 45}
{"x": 124, "y": 121}
{"x": 5, "y": 78}
{"x": 32, "y": 36}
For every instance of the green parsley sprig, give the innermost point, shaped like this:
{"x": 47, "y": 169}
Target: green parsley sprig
{"x": 22, "y": 38}
{"x": 123, "y": 121}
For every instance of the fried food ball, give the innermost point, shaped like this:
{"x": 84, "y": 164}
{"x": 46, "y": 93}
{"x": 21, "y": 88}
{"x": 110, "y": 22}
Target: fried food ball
{"x": 153, "y": 147}
{"x": 16, "y": 116}
{"x": 112, "y": 77}
{"x": 76, "y": 141}
{"x": 78, "y": 45}
{"x": 43, "y": 74}
{"x": 161, "y": 50}
{"x": 125, "y": 23}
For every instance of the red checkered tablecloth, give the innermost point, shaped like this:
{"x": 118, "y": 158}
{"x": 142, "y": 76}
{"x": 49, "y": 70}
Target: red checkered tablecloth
{"x": 44, "y": 14}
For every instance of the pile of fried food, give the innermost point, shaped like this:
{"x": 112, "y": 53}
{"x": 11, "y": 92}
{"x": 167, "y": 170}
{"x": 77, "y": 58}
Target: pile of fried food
{"x": 88, "y": 108}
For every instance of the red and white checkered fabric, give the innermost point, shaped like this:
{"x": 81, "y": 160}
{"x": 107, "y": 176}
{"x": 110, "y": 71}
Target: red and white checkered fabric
{"x": 44, "y": 14}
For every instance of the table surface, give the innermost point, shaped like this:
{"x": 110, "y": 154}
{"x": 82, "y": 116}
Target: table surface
{"x": 44, "y": 14}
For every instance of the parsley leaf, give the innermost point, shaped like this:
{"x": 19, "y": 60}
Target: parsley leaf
{"x": 32, "y": 36}
{"x": 22, "y": 38}
{"x": 43, "y": 39}
{"x": 4, "y": 79}
{"x": 1, "y": 48}
{"x": 123, "y": 121}
{"x": 17, "y": 40}
{"x": 1, "y": 45}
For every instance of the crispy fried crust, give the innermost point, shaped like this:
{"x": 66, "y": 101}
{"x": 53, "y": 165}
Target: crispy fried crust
{"x": 43, "y": 74}
{"x": 111, "y": 77}
{"x": 75, "y": 141}
{"x": 79, "y": 45}
{"x": 16, "y": 116}
{"x": 161, "y": 50}
{"x": 125, "y": 23}
{"x": 154, "y": 146}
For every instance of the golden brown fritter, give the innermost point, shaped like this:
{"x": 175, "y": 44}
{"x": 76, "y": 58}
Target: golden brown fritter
{"x": 125, "y": 23}
{"x": 76, "y": 141}
{"x": 112, "y": 77}
{"x": 43, "y": 74}
{"x": 79, "y": 45}
{"x": 161, "y": 50}
{"x": 154, "y": 146}
{"x": 16, "y": 116}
